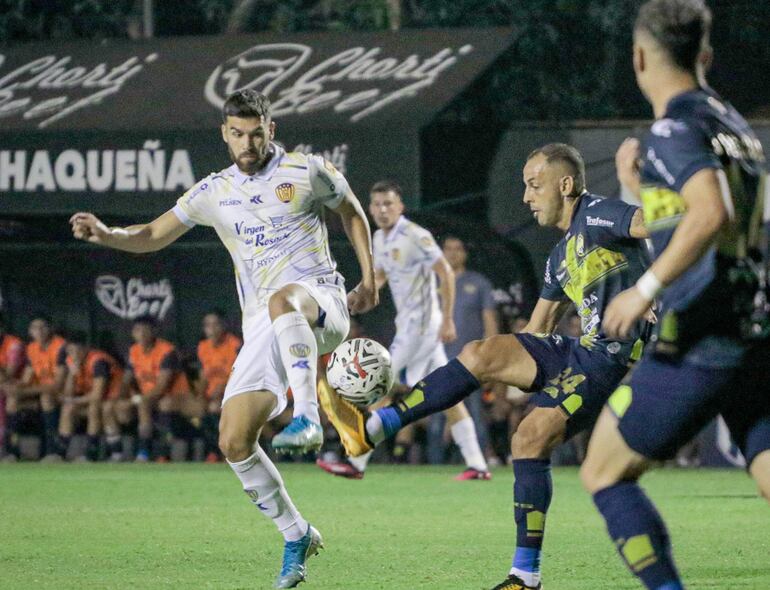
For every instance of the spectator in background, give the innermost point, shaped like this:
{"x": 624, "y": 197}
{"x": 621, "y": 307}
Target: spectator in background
{"x": 475, "y": 318}
{"x": 216, "y": 353}
{"x": 91, "y": 376}
{"x": 39, "y": 387}
{"x": 164, "y": 391}
{"x": 11, "y": 365}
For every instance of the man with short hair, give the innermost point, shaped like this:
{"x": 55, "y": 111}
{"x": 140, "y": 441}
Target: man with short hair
{"x": 475, "y": 317}
{"x": 38, "y": 388}
{"x": 165, "y": 393}
{"x": 92, "y": 376}
{"x": 700, "y": 173}
{"x": 216, "y": 354}
{"x": 407, "y": 258}
{"x": 600, "y": 255}
{"x": 268, "y": 210}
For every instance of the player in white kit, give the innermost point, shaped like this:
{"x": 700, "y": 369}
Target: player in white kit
{"x": 268, "y": 210}
{"x": 407, "y": 258}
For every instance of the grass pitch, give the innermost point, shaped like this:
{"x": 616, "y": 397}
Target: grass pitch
{"x": 189, "y": 526}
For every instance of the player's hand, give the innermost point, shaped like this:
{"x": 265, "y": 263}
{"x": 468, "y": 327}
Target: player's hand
{"x": 88, "y": 227}
{"x": 623, "y": 312}
{"x": 448, "y": 332}
{"x": 362, "y": 299}
{"x": 628, "y": 163}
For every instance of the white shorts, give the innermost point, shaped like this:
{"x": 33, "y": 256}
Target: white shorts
{"x": 413, "y": 356}
{"x": 258, "y": 366}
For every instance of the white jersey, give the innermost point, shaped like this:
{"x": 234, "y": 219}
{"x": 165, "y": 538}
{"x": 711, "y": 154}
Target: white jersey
{"x": 272, "y": 223}
{"x": 406, "y": 256}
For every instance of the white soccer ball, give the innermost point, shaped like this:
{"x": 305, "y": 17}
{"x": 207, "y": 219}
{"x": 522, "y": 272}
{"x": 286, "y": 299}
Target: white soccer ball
{"x": 360, "y": 371}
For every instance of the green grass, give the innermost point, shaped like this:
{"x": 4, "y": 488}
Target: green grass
{"x": 190, "y": 526}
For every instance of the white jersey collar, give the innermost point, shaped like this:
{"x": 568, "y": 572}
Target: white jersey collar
{"x": 267, "y": 172}
{"x": 391, "y": 235}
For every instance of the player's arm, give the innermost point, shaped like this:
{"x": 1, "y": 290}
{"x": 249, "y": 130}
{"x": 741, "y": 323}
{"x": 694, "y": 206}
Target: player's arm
{"x": 546, "y": 315}
{"x": 446, "y": 290}
{"x": 380, "y": 278}
{"x": 365, "y": 296}
{"x": 705, "y": 215}
{"x": 628, "y": 164}
{"x": 165, "y": 377}
{"x": 637, "y": 228}
{"x": 26, "y": 386}
{"x": 146, "y": 237}
{"x": 97, "y": 392}
{"x": 489, "y": 320}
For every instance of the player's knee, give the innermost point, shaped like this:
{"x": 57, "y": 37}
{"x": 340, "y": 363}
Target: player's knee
{"x": 477, "y": 357}
{"x": 532, "y": 440}
{"x": 235, "y": 446}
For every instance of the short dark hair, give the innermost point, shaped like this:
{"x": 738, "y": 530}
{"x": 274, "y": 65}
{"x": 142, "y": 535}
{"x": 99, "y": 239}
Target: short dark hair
{"x": 146, "y": 320}
{"x": 567, "y": 155}
{"x": 456, "y": 238}
{"x": 246, "y": 103}
{"x": 680, "y": 27}
{"x": 41, "y": 315}
{"x": 387, "y": 185}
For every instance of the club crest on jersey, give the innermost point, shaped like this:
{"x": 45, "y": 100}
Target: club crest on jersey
{"x": 580, "y": 247}
{"x": 395, "y": 254}
{"x": 299, "y": 349}
{"x": 469, "y": 288}
{"x": 285, "y": 192}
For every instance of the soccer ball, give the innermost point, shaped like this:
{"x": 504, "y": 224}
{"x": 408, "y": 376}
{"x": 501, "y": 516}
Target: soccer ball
{"x": 360, "y": 371}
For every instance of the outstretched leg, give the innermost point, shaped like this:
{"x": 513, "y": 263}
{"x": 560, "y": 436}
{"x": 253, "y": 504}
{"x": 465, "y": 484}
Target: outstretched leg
{"x": 243, "y": 416}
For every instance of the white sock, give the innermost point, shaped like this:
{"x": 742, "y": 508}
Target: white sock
{"x": 529, "y": 578}
{"x": 464, "y": 435}
{"x": 264, "y": 486}
{"x": 361, "y": 461}
{"x": 299, "y": 355}
{"x": 374, "y": 428}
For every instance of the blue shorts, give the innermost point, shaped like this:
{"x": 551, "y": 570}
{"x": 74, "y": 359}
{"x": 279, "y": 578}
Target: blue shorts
{"x": 667, "y": 401}
{"x": 572, "y": 378}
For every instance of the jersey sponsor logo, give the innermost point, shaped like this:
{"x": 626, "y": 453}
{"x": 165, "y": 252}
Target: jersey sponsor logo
{"x": 580, "y": 244}
{"x": 229, "y": 203}
{"x": 667, "y": 127}
{"x": 301, "y": 365}
{"x": 660, "y": 166}
{"x": 426, "y": 241}
{"x": 276, "y": 221}
{"x": 300, "y": 349}
{"x": 256, "y": 200}
{"x": 248, "y": 230}
{"x": 285, "y": 192}
{"x": 470, "y": 289}
{"x": 599, "y": 222}
{"x": 197, "y": 191}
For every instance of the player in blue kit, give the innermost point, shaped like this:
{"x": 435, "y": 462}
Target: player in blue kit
{"x": 702, "y": 182}
{"x": 599, "y": 256}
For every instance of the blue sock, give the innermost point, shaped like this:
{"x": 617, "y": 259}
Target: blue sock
{"x": 442, "y": 389}
{"x": 639, "y": 535}
{"x": 532, "y": 492}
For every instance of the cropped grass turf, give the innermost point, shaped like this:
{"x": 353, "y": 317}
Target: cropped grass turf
{"x": 190, "y": 526}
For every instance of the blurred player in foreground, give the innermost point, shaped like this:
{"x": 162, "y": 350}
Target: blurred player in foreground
{"x": 700, "y": 175}
{"x": 268, "y": 211}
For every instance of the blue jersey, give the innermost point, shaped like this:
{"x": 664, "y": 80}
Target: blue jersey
{"x": 595, "y": 260}
{"x": 715, "y": 296}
